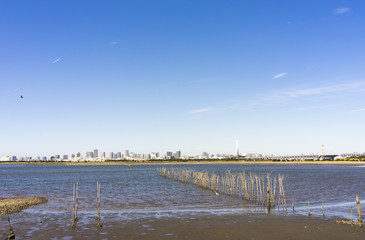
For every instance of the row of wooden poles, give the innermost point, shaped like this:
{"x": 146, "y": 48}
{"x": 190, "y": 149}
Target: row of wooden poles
{"x": 259, "y": 189}
{"x": 357, "y": 204}
{"x": 75, "y": 200}
{"x": 359, "y": 220}
{"x": 263, "y": 190}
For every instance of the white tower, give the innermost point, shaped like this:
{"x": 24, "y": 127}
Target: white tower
{"x": 237, "y": 149}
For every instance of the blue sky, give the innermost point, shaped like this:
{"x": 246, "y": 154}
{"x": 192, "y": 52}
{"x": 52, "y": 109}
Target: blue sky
{"x": 282, "y": 77}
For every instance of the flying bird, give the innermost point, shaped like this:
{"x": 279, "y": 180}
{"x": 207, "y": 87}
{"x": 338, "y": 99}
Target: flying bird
{"x": 21, "y": 96}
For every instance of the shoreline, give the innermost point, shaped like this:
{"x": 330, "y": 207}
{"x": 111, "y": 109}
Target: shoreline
{"x": 130, "y": 163}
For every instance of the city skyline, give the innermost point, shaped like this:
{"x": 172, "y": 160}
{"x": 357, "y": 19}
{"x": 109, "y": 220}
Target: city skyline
{"x": 282, "y": 77}
{"x": 167, "y": 155}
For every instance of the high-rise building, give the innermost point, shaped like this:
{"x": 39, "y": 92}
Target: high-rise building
{"x": 169, "y": 154}
{"x": 119, "y": 155}
{"x": 65, "y": 157}
{"x": 237, "y": 149}
{"x": 178, "y": 154}
{"x": 96, "y": 153}
{"x": 102, "y": 155}
{"x": 78, "y": 154}
{"x": 126, "y": 153}
{"x": 111, "y": 155}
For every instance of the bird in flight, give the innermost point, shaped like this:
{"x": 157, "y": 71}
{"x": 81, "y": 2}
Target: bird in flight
{"x": 21, "y": 96}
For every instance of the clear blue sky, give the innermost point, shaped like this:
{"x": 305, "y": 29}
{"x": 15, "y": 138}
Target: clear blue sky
{"x": 282, "y": 77}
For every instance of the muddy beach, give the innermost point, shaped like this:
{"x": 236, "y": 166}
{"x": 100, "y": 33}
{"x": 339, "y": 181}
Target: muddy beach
{"x": 252, "y": 226}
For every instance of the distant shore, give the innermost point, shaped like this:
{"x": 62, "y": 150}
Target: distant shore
{"x": 129, "y": 163}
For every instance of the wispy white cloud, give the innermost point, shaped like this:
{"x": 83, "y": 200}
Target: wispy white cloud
{"x": 56, "y": 60}
{"x": 359, "y": 110}
{"x": 112, "y": 43}
{"x": 312, "y": 107}
{"x": 340, "y": 11}
{"x": 202, "y": 110}
{"x": 280, "y": 75}
{"x": 282, "y": 95}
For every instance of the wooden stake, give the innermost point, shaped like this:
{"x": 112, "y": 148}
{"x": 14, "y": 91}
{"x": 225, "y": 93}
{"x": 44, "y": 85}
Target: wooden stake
{"x": 358, "y": 209}
{"x": 268, "y": 198}
{"x": 73, "y": 205}
{"x": 309, "y": 209}
{"x": 98, "y": 202}
{"x": 76, "y": 199}
{"x": 293, "y": 203}
{"x": 323, "y": 208}
{"x": 351, "y": 214}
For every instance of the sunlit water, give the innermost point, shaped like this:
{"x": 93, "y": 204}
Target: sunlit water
{"x": 138, "y": 191}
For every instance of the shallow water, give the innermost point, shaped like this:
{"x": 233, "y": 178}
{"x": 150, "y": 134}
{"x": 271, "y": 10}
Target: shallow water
{"x": 139, "y": 192}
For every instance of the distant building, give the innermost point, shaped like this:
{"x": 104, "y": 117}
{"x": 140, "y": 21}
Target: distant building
{"x": 102, "y": 155}
{"x": 78, "y": 154}
{"x": 57, "y": 156}
{"x": 111, "y": 155}
{"x": 169, "y": 154}
{"x": 44, "y": 158}
{"x": 13, "y": 158}
{"x": 96, "y": 153}
{"x": 237, "y": 149}
{"x": 205, "y": 155}
{"x": 89, "y": 154}
{"x": 126, "y": 154}
{"x": 73, "y": 156}
{"x": 253, "y": 155}
{"x": 119, "y": 155}
{"x": 65, "y": 157}
{"x": 5, "y": 159}
{"x": 178, "y": 154}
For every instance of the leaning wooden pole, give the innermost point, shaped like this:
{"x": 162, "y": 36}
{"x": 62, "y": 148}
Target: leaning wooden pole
{"x": 98, "y": 201}
{"x": 73, "y": 205}
{"x": 76, "y": 200}
{"x": 268, "y": 198}
{"x": 358, "y": 209}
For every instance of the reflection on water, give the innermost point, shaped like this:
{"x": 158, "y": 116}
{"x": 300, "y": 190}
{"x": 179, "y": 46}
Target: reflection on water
{"x": 139, "y": 190}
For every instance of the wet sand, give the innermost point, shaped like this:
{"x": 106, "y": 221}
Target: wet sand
{"x": 213, "y": 227}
